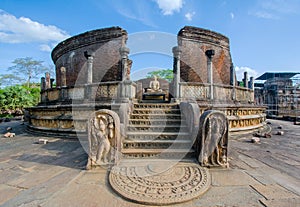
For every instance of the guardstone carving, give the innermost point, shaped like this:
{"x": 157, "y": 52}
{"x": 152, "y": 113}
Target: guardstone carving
{"x": 212, "y": 140}
{"x": 104, "y": 138}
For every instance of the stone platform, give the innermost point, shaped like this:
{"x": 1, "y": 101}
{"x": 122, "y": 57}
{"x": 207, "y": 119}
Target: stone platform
{"x": 31, "y": 174}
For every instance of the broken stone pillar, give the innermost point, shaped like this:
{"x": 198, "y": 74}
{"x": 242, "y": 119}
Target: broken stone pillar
{"x": 124, "y": 51}
{"x": 43, "y": 84}
{"x": 51, "y": 82}
{"x": 48, "y": 81}
{"x": 176, "y": 68}
{"x": 90, "y": 59}
{"x": 245, "y": 79}
{"x": 210, "y": 54}
{"x": 63, "y": 78}
{"x": 251, "y": 83}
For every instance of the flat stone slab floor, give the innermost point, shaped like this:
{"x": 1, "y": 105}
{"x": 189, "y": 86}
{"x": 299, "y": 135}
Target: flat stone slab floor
{"x": 266, "y": 173}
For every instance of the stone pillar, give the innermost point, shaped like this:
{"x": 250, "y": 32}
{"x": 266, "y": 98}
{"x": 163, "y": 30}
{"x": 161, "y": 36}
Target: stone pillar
{"x": 245, "y": 79}
{"x": 51, "y": 82}
{"x": 232, "y": 76}
{"x": 90, "y": 59}
{"x": 124, "y": 51}
{"x": 176, "y": 68}
{"x": 63, "y": 78}
{"x": 232, "y": 82}
{"x": 251, "y": 83}
{"x": 210, "y": 54}
{"x": 48, "y": 82}
{"x": 43, "y": 84}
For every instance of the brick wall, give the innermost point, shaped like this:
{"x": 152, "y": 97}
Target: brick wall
{"x": 194, "y": 42}
{"x": 105, "y": 43}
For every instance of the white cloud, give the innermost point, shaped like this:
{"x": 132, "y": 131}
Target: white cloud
{"x": 275, "y": 9}
{"x": 232, "y": 15}
{"x": 23, "y": 30}
{"x": 189, "y": 16}
{"x": 240, "y": 72}
{"x": 168, "y": 7}
{"x": 265, "y": 15}
{"x": 281, "y": 6}
{"x": 45, "y": 48}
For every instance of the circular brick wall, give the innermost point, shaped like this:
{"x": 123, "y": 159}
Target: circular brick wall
{"x": 194, "y": 42}
{"x": 104, "y": 43}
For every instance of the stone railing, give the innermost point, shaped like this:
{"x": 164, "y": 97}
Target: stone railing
{"x": 201, "y": 91}
{"x": 95, "y": 91}
{"x": 198, "y": 91}
{"x": 244, "y": 94}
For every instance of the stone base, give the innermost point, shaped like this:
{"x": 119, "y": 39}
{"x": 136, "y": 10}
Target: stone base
{"x": 156, "y": 184}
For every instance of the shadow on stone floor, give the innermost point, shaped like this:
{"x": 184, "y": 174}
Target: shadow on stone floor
{"x": 59, "y": 152}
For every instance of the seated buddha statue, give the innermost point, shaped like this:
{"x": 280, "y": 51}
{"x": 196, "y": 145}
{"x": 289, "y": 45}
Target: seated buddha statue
{"x": 154, "y": 86}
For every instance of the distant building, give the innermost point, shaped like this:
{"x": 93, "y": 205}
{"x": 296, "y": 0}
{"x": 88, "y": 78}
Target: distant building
{"x": 279, "y": 93}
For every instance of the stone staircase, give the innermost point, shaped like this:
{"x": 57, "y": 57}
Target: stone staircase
{"x": 157, "y": 131}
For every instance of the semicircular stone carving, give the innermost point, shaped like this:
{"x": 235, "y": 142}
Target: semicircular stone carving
{"x": 142, "y": 184}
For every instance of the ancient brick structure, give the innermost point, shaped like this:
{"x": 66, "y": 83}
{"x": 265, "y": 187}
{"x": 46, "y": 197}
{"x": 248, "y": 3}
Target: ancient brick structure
{"x": 93, "y": 73}
{"x": 103, "y": 44}
{"x": 194, "y": 42}
{"x": 116, "y": 120}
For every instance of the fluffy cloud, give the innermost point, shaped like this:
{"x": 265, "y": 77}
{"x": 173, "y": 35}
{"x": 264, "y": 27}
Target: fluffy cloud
{"x": 45, "y": 48}
{"x": 189, "y": 16}
{"x": 168, "y": 7}
{"x": 23, "y": 30}
{"x": 232, "y": 15}
{"x": 240, "y": 72}
{"x": 264, "y": 15}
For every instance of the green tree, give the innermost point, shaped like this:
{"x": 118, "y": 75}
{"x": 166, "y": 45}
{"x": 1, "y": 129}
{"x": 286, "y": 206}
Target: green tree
{"x": 10, "y": 79}
{"x": 163, "y": 74}
{"x": 27, "y": 69}
{"x": 18, "y": 97}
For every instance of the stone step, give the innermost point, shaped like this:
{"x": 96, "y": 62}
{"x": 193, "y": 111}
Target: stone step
{"x": 156, "y": 111}
{"x": 156, "y": 116}
{"x": 155, "y": 122}
{"x": 157, "y": 135}
{"x": 157, "y": 128}
{"x": 156, "y": 105}
{"x": 159, "y": 153}
{"x": 157, "y": 144}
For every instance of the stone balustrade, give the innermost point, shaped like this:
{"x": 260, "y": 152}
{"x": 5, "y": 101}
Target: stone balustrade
{"x": 105, "y": 91}
{"x": 200, "y": 91}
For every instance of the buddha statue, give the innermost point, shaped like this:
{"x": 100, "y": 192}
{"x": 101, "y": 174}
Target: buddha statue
{"x": 154, "y": 86}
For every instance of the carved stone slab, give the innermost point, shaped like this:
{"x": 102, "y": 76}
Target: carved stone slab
{"x": 180, "y": 183}
{"x": 212, "y": 140}
{"x": 104, "y": 138}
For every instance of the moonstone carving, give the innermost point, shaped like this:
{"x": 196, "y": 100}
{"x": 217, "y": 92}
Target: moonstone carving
{"x": 212, "y": 140}
{"x": 104, "y": 138}
{"x": 141, "y": 184}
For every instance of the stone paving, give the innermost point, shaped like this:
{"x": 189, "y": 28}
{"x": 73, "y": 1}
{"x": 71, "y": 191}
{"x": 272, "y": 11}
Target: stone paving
{"x": 260, "y": 174}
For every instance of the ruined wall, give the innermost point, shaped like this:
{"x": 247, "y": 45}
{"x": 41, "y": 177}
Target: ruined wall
{"x": 104, "y": 43}
{"x": 194, "y": 42}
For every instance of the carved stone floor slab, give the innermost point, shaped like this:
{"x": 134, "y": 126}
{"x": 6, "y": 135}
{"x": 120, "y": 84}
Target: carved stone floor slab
{"x": 159, "y": 183}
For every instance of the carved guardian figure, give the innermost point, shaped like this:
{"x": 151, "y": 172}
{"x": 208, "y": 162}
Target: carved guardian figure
{"x": 212, "y": 140}
{"x": 104, "y": 138}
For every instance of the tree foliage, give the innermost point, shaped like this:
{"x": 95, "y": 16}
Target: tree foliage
{"x": 19, "y": 97}
{"x": 25, "y": 70}
{"x": 163, "y": 74}
{"x": 10, "y": 79}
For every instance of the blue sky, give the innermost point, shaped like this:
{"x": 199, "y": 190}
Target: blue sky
{"x": 264, "y": 34}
